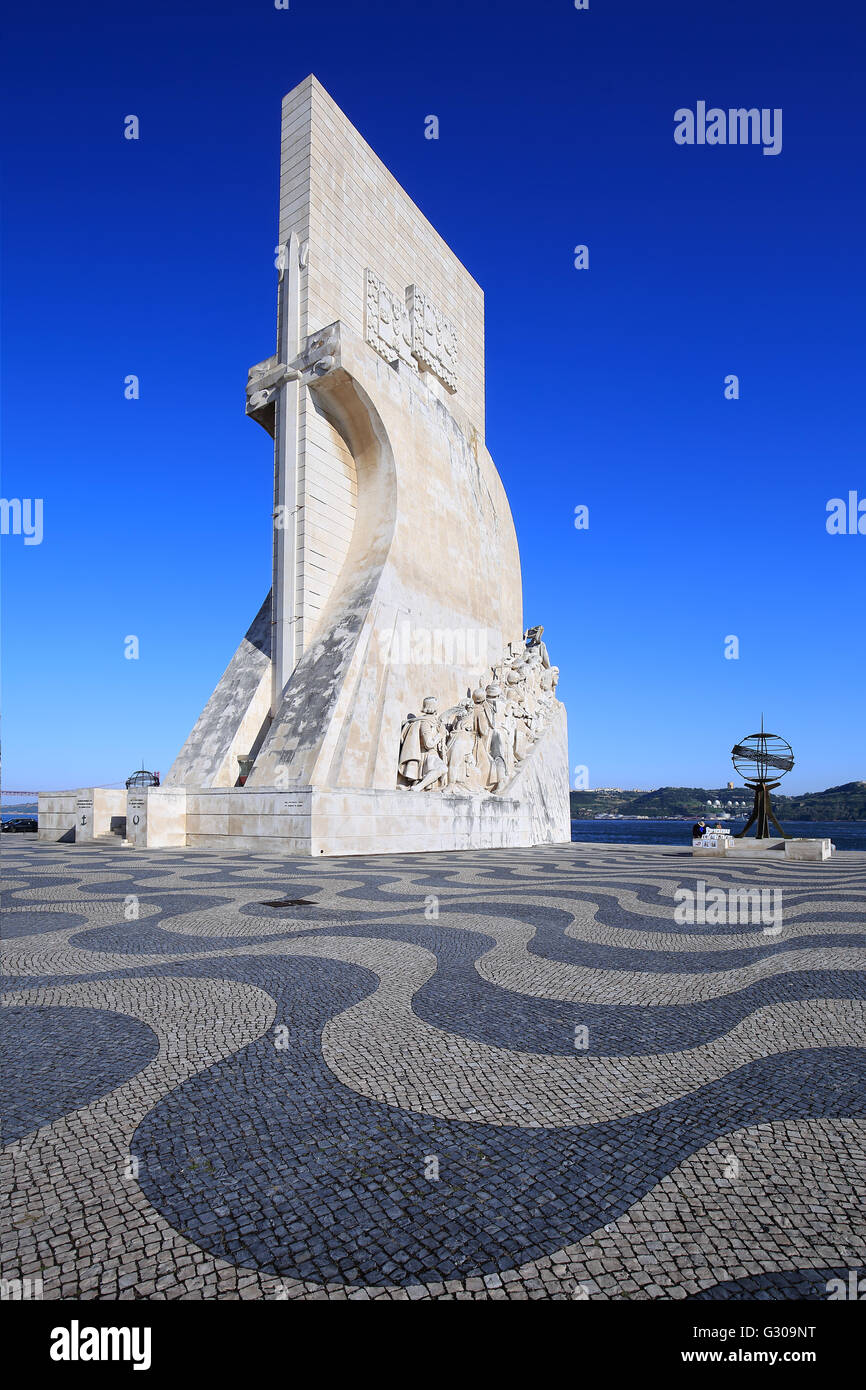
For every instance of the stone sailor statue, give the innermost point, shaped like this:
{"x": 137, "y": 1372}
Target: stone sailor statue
{"x": 409, "y": 761}
{"x": 479, "y": 744}
{"x": 497, "y": 747}
{"x": 462, "y": 770}
{"x": 532, "y": 637}
{"x": 422, "y": 748}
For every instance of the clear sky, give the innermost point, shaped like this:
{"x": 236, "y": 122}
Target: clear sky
{"x": 605, "y": 386}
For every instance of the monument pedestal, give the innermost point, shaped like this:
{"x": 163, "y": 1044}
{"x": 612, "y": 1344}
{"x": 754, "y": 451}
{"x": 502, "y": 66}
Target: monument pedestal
{"x": 729, "y": 847}
{"x": 808, "y": 849}
{"x": 323, "y": 821}
{"x": 156, "y": 817}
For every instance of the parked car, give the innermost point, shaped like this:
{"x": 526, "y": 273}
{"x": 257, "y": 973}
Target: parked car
{"x": 20, "y": 825}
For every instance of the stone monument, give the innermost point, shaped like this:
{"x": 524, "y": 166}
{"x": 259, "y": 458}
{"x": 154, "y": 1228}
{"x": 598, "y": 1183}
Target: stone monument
{"x": 386, "y": 696}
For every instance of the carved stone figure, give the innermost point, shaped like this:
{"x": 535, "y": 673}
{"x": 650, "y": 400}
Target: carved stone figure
{"x": 460, "y": 753}
{"x": 409, "y": 761}
{"x": 422, "y": 748}
{"x": 533, "y": 671}
{"x": 477, "y": 745}
{"x": 521, "y": 721}
{"x": 532, "y": 638}
{"x": 498, "y": 747}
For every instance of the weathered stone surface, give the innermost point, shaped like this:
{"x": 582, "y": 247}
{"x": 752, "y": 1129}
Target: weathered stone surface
{"x": 156, "y": 817}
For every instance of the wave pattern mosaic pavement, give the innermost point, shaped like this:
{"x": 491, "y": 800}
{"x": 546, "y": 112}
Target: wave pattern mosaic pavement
{"x": 470, "y": 1075}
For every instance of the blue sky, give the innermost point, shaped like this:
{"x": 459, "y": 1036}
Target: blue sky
{"x": 605, "y": 387}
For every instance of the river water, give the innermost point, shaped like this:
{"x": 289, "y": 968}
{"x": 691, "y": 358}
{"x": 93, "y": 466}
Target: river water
{"x": 845, "y": 834}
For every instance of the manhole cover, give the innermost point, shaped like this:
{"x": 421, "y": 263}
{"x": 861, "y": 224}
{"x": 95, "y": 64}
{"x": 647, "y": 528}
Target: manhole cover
{"x": 290, "y": 902}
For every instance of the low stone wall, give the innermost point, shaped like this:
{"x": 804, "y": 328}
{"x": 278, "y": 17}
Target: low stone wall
{"x": 808, "y": 849}
{"x": 100, "y": 811}
{"x": 319, "y": 823}
{"x": 237, "y": 818}
{"x": 57, "y": 815}
{"x": 156, "y": 817}
{"x": 82, "y": 814}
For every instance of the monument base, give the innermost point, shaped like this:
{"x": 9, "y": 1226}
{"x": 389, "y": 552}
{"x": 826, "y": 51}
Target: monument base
{"x": 312, "y": 822}
{"x": 316, "y": 823}
{"x": 727, "y": 846}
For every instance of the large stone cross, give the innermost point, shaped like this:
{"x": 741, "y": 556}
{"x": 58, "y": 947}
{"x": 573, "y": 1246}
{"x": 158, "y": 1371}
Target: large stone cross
{"x": 274, "y": 399}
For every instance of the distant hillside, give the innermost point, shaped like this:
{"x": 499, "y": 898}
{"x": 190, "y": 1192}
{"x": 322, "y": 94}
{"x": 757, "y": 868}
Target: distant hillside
{"x": 847, "y": 802}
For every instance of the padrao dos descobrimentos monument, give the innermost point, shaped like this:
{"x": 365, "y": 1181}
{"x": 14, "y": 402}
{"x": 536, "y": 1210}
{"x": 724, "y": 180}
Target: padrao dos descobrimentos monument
{"x": 386, "y": 696}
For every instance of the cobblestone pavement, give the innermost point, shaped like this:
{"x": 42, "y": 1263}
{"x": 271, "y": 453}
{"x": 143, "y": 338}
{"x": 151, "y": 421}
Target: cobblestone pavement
{"x": 497, "y": 1074}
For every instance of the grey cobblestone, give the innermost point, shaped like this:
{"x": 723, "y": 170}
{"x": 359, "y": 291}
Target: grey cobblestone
{"x": 562, "y": 1173}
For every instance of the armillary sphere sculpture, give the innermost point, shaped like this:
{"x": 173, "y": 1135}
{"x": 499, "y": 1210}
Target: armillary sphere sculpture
{"x": 762, "y": 761}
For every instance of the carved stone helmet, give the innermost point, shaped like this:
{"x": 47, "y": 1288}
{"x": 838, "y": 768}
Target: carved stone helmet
{"x": 429, "y": 704}
{"x": 478, "y": 696}
{"x": 493, "y": 691}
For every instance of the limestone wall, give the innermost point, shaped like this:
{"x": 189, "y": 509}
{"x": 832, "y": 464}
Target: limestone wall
{"x": 328, "y": 486}
{"x": 83, "y": 814}
{"x": 57, "y": 815}
{"x": 433, "y": 547}
{"x": 156, "y": 817}
{"x": 341, "y": 199}
{"x": 240, "y": 819}
{"x": 336, "y": 191}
